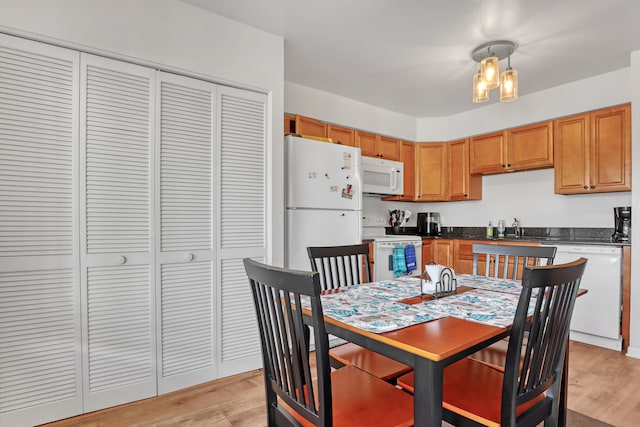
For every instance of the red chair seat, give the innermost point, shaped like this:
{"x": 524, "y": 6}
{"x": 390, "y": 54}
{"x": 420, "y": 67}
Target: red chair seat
{"x": 362, "y": 400}
{"x": 376, "y": 364}
{"x": 472, "y": 389}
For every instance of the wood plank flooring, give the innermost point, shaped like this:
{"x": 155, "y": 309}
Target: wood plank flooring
{"x": 603, "y": 384}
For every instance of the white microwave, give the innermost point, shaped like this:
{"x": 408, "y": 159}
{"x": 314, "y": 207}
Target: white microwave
{"x": 385, "y": 177}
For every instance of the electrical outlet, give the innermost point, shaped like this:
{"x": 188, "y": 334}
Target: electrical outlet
{"x": 380, "y": 221}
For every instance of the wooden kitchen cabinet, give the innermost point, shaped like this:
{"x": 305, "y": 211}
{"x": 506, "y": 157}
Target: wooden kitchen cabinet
{"x": 373, "y": 145}
{"x": 431, "y": 172}
{"x": 310, "y": 127}
{"x": 530, "y": 147}
{"x": 487, "y": 153}
{"x": 462, "y": 185}
{"x": 593, "y": 151}
{"x": 289, "y": 123}
{"x": 427, "y": 252}
{"x": 389, "y": 148}
{"x": 367, "y": 143}
{"x": 522, "y": 148}
{"x": 341, "y": 135}
{"x": 443, "y": 252}
{"x": 408, "y": 157}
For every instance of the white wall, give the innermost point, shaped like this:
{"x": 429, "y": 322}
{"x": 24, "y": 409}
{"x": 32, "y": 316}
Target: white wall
{"x": 583, "y": 95}
{"x": 527, "y": 196}
{"x": 337, "y": 109}
{"x": 173, "y": 34}
{"x": 634, "y": 340}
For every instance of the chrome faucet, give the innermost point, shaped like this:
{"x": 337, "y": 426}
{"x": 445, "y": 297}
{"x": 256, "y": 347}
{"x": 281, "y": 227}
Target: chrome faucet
{"x": 516, "y": 227}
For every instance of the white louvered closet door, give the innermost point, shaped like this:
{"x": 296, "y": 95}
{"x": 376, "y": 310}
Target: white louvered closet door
{"x": 242, "y": 223}
{"x": 185, "y": 129}
{"x": 118, "y": 304}
{"x": 40, "y": 365}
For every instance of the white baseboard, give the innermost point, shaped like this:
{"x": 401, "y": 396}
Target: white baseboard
{"x": 610, "y": 343}
{"x": 633, "y": 352}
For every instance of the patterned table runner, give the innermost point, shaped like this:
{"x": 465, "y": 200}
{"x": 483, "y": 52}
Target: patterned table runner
{"x": 374, "y": 307}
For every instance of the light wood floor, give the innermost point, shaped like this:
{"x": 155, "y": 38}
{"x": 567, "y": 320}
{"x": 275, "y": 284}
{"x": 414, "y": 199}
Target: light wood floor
{"x": 603, "y": 384}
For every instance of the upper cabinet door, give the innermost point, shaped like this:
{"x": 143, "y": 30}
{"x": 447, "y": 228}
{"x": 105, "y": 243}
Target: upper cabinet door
{"x": 367, "y": 143}
{"x": 116, "y": 134}
{"x": 307, "y": 126}
{"x": 462, "y": 185}
{"x": 341, "y": 135}
{"x": 572, "y": 137}
{"x": 611, "y": 149}
{"x": 431, "y": 163}
{"x": 530, "y": 147}
{"x": 487, "y": 153}
{"x": 40, "y": 330}
{"x": 593, "y": 151}
{"x": 389, "y": 148}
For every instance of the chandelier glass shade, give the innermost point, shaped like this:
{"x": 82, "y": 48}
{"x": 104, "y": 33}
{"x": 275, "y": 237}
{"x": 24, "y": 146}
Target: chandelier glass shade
{"x": 488, "y": 77}
{"x": 490, "y": 72}
{"x": 480, "y": 91}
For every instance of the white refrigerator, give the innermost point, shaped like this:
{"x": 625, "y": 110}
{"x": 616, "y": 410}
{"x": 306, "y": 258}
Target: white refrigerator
{"x": 323, "y": 197}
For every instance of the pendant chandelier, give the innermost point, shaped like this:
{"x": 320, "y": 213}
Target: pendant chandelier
{"x": 488, "y": 76}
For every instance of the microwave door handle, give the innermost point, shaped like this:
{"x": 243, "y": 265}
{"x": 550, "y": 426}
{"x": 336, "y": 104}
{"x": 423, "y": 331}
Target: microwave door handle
{"x": 394, "y": 179}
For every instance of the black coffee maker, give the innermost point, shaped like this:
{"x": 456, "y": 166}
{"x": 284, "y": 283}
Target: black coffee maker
{"x": 622, "y": 219}
{"x": 428, "y": 223}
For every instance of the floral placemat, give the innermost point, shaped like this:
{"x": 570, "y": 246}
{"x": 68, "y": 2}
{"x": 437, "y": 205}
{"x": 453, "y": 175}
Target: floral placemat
{"x": 374, "y": 307}
{"x": 390, "y": 290}
{"x": 379, "y": 316}
{"x": 489, "y": 283}
{"x": 478, "y": 305}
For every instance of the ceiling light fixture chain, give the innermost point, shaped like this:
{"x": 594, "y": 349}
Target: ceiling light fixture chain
{"x": 488, "y": 77}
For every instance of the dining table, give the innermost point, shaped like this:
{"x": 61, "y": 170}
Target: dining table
{"x": 394, "y": 318}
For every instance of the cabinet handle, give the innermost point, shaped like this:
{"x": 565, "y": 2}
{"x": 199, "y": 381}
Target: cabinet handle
{"x": 188, "y": 257}
{"x": 586, "y": 187}
{"x": 593, "y": 186}
{"x": 122, "y": 259}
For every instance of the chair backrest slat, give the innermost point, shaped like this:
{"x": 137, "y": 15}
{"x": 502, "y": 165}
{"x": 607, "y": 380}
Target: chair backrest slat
{"x": 500, "y": 258}
{"x": 340, "y": 265}
{"x": 279, "y": 297}
{"x": 543, "y": 316}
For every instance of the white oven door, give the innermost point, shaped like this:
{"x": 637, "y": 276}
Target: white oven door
{"x": 383, "y": 259}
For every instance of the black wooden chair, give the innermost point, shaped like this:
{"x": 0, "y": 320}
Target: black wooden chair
{"x": 340, "y": 266}
{"x": 506, "y": 261}
{"x": 295, "y": 394}
{"x": 527, "y": 392}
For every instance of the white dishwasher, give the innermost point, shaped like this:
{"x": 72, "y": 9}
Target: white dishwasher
{"x": 597, "y": 314}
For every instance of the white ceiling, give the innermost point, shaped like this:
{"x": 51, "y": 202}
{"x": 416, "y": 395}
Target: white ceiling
{"x": 414, "y": 56}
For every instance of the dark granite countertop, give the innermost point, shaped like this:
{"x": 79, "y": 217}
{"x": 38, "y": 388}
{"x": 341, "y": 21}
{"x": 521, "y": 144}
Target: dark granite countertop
{"x": 557, "y": 235}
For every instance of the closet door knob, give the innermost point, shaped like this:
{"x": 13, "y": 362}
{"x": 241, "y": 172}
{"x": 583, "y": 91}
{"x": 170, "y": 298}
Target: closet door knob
{"x": 188, "y": 257}
{"x": 122, "y": 259}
